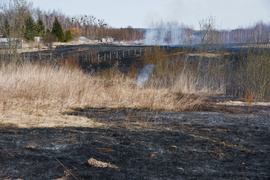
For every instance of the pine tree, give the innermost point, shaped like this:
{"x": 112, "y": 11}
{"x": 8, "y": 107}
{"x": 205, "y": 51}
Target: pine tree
{"x": 30, "y": 29}
{"x": 68, "y": 36}
{"x": 6, "y": 29}
{"x": 40, "y": 28}
{"x": 57, "y": 30}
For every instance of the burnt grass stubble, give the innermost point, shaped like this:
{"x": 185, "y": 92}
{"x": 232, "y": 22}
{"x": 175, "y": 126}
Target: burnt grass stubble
{"x": 212, "y": 143}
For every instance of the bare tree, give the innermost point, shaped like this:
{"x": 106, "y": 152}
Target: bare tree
{"x": 208, "y": 31}
{"x": 16, "y": 11}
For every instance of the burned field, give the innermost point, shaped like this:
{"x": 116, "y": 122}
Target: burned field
{"x": 142, "y": 144}
{"x": 221, "y": 137}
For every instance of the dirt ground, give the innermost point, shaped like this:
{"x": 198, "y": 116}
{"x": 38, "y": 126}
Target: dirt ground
{"x": 216, "y": 143}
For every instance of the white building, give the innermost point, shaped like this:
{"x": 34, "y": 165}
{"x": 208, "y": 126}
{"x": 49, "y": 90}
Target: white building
{"x": 4, "y": 42}
{"x": 107, "y": 40}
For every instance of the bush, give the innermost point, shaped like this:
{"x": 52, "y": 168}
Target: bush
{"x": 254, "y": 73}
{"x": 68, "y": 36}
{"x": 49, "y": 39}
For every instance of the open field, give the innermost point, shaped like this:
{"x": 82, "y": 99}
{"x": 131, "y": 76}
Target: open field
{"x": 77, "y": 119}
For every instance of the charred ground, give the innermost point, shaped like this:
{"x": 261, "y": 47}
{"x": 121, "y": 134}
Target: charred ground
{"x": 142, "y": 144}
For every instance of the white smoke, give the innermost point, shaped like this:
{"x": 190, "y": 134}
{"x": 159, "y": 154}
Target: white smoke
{"x": 144, "y": 74}
{"x": 170, "y": 33}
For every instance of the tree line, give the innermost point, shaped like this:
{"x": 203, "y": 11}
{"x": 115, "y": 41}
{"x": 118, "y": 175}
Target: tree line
{"x": 19, "y": 19}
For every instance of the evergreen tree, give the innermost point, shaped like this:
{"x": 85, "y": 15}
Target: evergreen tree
{"x": 68, "y": 36}
{"x": 30, "y": 29}
{"x": 6, "y": 29}
{"x": 57, "y": 30}
{"x": 40, "y": 28}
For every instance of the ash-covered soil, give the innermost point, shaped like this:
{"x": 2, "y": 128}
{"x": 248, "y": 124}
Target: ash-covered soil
{"x": 143, "y": 144}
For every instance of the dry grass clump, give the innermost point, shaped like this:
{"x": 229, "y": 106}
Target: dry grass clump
{"x": 35, "y": 95}
{"x": 95, "y": 163}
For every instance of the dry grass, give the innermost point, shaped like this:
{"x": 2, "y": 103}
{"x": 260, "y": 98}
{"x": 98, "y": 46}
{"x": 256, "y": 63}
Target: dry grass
{"x": 208, "y": 55}
{"x": 95, "y": 163}
{"x": 189, "y": 81}
{"x": 201, "y": 73}
{"x": 34, "y": 95}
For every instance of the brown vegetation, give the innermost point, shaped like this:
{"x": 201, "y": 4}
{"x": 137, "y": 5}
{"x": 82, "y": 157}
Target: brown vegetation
{"x": 35, "y": 95}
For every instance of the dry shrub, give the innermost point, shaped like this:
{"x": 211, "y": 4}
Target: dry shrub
{"x": 159, "y": 58}
{"x": 185, "y": 73}
{"x": 253, "y": 73}
{"x": 75, "y": 33}
{"x": 70, "y": 63}
{"x": 110, "y": 74}
{"x": 133, "y": 70}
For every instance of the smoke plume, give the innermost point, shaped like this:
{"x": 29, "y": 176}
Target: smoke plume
{"x": 144, "y": 74}
{"x": 170, "y": 33}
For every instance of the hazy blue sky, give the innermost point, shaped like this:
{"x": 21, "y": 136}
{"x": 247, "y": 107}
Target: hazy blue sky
{"x": 229, "y": 14}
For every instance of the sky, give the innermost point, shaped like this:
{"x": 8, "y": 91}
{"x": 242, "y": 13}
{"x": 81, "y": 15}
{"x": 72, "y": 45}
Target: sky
{"x": 228, "y": 14}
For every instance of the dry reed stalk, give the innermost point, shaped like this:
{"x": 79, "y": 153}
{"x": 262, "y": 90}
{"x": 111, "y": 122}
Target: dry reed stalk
{"x": 35, "y": 95}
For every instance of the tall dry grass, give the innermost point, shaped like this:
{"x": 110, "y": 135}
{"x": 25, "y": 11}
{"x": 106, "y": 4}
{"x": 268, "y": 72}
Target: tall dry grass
{"x": 254, "y": 73}
{"x": 188, "y": 73}
{"x": 35, "y": 95}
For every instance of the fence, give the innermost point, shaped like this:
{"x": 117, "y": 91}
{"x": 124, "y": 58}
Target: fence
{"x": 85, "y": 53}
